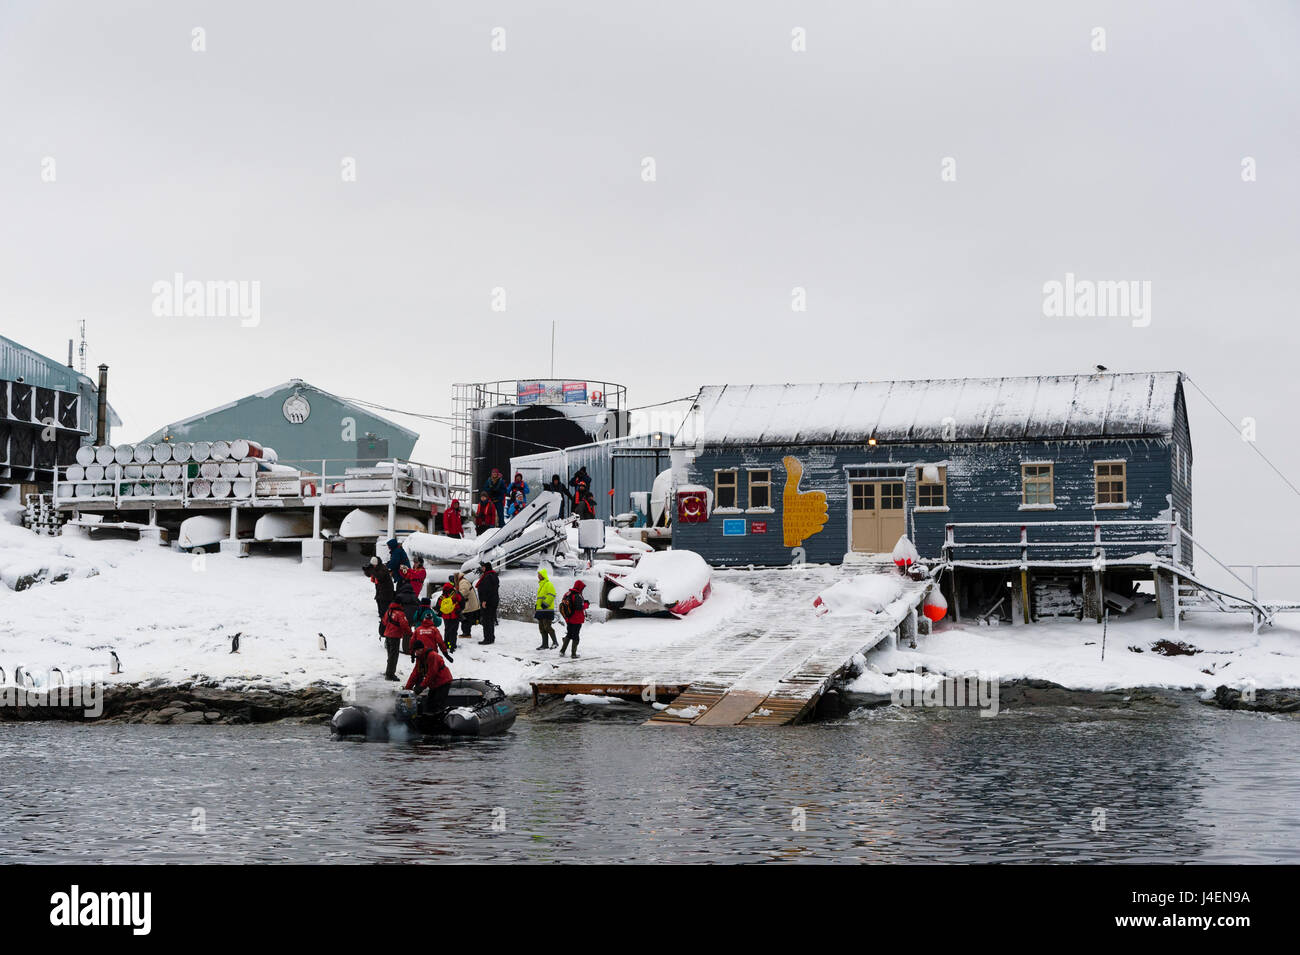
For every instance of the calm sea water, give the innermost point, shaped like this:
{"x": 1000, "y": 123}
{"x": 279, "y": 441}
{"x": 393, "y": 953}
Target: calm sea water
{"x": 1176, "y": 783}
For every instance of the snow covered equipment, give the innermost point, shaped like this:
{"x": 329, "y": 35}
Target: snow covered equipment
{"x": 535, "y": 530}
{"x": 936, "y": 607}
{"x": 863, "y": 594}
{"x": 905, "y": 553}
{"x": 670, "y": 581}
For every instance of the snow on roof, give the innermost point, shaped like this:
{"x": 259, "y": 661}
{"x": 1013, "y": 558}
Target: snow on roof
{"x": 267, "y": 393}
{"x": 974, "y": 409}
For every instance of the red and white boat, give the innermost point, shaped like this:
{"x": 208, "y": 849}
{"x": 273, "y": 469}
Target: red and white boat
{"x": 669, "y": 581}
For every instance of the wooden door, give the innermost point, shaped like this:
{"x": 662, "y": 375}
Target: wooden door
{"x": 877, "y": 515}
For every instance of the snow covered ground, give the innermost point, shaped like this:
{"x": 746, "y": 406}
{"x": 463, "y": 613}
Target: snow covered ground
{"x": 170, "y": 617}
{"x": 1069, "y": 653}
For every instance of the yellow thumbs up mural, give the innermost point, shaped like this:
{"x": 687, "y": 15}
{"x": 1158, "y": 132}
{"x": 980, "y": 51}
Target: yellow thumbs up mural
{"x": 803, "y": 513}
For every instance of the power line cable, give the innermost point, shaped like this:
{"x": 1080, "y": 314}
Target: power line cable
{"x": 1253, "y": 445}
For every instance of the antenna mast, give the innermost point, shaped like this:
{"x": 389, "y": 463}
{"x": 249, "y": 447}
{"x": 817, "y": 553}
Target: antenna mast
{"x": 81, "y": 351}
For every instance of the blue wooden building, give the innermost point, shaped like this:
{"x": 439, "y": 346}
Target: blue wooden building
{"x": 990, "y": 473}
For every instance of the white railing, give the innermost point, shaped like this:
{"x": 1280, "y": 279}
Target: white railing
{"x": 1102, "y": 534}
{"x": 1254, "y": 575}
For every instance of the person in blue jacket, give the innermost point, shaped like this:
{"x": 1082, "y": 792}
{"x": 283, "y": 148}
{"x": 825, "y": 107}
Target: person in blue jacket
{"x": 516, "y": 504}
{"x": 396, "y": 557}
{"x": 518, "y": 485}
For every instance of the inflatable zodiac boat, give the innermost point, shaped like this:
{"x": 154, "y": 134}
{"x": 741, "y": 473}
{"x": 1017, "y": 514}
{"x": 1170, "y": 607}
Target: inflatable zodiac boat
{"x": 474, "y": 708}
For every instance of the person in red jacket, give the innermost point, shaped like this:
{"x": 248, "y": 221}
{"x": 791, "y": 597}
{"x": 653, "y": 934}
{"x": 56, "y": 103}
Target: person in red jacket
{"x": 485, "y": 515}
{"x": 573, "y": 608}
{"x": 415, "y": 575}
{"x": 433, "y": 675}
{"x": 452, "y": 525}
{"x": 428, "y": 635}
{"x": 396, "y": 628}
{"x": 448, "y": 604}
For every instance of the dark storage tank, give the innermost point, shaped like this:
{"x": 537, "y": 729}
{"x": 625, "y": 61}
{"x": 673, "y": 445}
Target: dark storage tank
{"x": 512, "y": 418}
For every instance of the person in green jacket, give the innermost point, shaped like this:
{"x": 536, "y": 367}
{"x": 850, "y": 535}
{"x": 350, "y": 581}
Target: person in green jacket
{"x": 545, "y": 612}
{"x": 425, "y": 612}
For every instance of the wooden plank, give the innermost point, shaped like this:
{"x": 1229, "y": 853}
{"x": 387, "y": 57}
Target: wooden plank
{"x": 701, "y": 697}
{"x": 668, "y": 690}
{"x": 731, "y": 709}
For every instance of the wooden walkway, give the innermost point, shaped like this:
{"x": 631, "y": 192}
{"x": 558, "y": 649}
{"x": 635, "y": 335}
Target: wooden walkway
{"x": 767, "y": 668}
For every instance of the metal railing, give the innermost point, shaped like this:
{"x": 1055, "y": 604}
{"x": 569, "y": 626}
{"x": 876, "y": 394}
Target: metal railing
{"x": 1254, "y": 575}
{"x": 1093, "y": 546}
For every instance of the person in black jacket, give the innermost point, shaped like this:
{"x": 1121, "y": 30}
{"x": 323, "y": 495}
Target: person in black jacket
{"x": 489, "y": 595}
{"x": 558, "y": 487}
{"x": 404, "y": 594}
{"x": 580, "y": 478}
{"x": 378, "y": 575}
{"x": 584, "y": 505}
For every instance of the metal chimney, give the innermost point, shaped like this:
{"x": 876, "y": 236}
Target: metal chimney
{"x": 101, "y": 418}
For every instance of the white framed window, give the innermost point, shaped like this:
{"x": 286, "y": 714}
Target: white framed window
{"x": 760, "y": 489}
{"x": 1037, "y": 484}
{"x": 724, "y": 490}
{"x": 1111, "y": 481}
{"x": 931, "y": 487}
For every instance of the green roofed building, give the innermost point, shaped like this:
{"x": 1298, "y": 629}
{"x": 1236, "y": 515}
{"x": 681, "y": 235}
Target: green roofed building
{"x": 303, "y": 424}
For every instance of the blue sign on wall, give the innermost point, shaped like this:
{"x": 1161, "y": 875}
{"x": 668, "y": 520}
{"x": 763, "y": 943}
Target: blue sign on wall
{"x": 733, "y": 527}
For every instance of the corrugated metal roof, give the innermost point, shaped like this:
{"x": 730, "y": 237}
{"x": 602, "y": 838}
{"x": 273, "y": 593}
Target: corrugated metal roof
{"x": 19, "y": 361}
{"x": 954, "y": 409}
{"x": 267, "y": 393}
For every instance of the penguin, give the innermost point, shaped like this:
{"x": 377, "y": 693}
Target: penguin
{"x": 117, "y": 664}
{"x": 234, "y": 643}
{"x": 4, "y": 678}
{"x": 322, "y": 643}
{"x": 54, "y": 670}
{"x": 1101, "y": 368}
{"x": 22, "y": 677}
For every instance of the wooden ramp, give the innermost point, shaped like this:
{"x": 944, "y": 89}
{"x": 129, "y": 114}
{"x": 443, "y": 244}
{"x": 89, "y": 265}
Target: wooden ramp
{"x": 769, "y": 667}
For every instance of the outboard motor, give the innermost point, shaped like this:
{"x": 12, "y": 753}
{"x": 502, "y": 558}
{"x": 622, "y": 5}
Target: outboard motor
{"x": 350, "y": 721}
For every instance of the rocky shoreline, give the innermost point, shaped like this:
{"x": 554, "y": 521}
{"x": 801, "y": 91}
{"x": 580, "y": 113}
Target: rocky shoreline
{"x": 205, "y": 703}
{"x": 189, "y": 703}
{"x": 1021, "y": 694}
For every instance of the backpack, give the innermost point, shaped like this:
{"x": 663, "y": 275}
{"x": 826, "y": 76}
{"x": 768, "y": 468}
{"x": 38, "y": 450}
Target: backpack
{"x": 568, "y": 605}
{"x": 447, "y": 605}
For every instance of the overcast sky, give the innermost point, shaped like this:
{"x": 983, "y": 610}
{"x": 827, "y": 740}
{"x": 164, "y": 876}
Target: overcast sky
{"x": 775, "y": 169}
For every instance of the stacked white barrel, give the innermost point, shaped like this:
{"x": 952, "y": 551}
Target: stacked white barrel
{"x": 223, "y": 469}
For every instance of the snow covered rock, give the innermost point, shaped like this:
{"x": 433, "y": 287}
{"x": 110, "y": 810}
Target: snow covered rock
{"x": 28, "y": 559}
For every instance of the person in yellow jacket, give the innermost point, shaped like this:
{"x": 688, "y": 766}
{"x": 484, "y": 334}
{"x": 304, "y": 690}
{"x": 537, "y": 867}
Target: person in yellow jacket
{"x": 545, "y": 612}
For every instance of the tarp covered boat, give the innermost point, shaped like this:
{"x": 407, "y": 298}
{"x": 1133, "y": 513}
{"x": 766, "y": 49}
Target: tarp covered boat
{"x": 670, "y": 581}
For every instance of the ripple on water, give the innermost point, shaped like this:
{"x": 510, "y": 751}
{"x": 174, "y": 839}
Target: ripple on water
{"x": 882, "y": 785}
